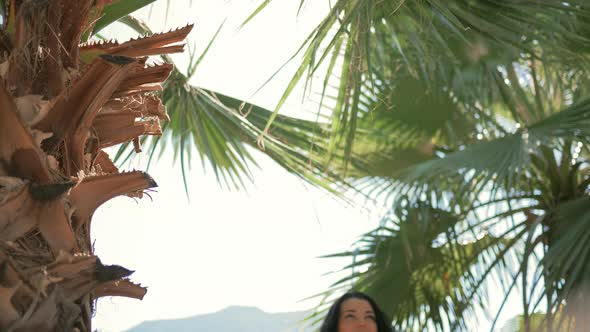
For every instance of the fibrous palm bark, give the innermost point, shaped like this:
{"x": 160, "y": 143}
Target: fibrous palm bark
{"x": 61, "y": 103}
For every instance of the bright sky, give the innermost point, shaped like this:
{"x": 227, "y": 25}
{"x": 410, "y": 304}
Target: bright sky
{"x": 223, "y": 248}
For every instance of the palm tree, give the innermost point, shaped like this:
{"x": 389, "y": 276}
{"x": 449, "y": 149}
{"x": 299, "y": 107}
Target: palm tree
{"x": 470, "y": 120}
{"x": 65, "y": 96}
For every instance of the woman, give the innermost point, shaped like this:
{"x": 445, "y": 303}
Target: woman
{"x": 355, "y": 312}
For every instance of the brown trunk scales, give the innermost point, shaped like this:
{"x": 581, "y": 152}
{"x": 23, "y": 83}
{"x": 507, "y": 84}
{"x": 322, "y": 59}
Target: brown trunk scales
{"x": 61, "y": 104}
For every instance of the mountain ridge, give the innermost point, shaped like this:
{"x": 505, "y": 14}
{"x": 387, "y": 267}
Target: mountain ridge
{"x": 231, "y": 319}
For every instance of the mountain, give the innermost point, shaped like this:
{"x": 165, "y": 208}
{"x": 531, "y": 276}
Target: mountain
{"x": 231, "y": 319}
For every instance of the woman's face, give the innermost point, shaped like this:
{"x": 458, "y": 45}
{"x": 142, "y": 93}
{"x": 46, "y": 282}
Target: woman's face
{"x": 356, "y": 315}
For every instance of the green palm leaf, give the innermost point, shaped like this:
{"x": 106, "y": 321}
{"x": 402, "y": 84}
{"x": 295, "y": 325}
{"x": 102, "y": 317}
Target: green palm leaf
{"x": 504, "y": 158}
{"x": 570, "y": 246}
{"x": 416, "y": 280}
{"x": 222, "y": 130}
{"x": 448, "y": 44}
{"x": 117, "y": 10}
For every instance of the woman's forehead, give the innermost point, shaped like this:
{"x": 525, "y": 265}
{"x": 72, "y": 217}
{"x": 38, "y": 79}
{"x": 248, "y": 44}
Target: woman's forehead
{"x": 355, "y": 304}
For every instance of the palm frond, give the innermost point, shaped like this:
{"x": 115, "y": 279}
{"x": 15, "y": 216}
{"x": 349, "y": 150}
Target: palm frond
{"x": 222, "y": 130}
{"x": 569, "y": 246}
{"x": 420, "y": 272}
{"x": 455, "y": 45}
{"x": 256, "y": 11}
{"x": 503, "y": 159}
{"x": 117, "y": 10}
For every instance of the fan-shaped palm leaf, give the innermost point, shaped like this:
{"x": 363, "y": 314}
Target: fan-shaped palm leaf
{"x": 222, "y": 130}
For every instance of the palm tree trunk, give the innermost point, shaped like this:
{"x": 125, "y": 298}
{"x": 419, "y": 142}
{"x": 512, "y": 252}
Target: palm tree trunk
{"x": 578, "y": 307}
{"x": 61, "y": 104}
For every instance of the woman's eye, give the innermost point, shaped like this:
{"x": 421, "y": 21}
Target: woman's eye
{"x": 371, "y": 317}
{"x": 349, "y": 316}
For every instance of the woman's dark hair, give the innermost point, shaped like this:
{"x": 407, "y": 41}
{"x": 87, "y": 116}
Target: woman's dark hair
{"x": 330, "y": 324}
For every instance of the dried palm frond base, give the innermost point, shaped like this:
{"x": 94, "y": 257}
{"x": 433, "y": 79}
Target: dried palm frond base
{"x": 61, "y": 104}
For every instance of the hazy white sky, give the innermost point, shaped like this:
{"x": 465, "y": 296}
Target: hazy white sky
{"x": 227, "y": 248}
